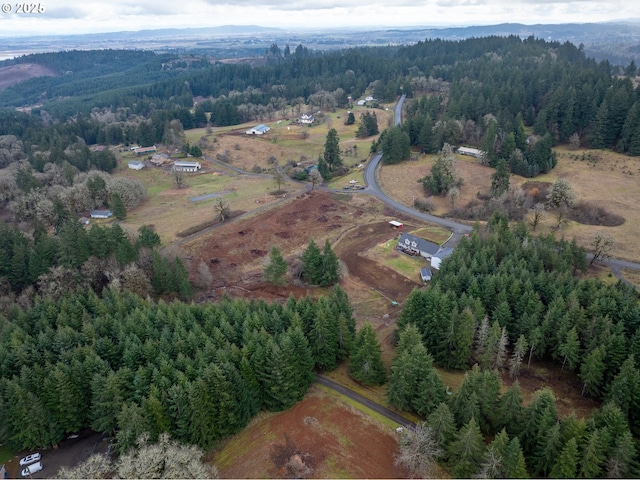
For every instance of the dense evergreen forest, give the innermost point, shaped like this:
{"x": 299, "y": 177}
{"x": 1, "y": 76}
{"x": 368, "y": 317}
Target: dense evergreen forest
{"x": 122, "y": 365}
{"x": 500, "y": 300}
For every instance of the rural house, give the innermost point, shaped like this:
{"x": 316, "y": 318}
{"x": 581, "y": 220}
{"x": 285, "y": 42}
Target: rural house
{"x": 417, "y": 246}
{"x": 306, "y": 118}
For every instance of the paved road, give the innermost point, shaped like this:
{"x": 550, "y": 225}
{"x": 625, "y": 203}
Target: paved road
{"x": 393, "y": 416}
{"x": 373, "y": 188}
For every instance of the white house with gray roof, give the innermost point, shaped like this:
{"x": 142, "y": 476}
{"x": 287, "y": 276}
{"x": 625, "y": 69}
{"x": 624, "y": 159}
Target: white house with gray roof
{"x": 417, "y": 246}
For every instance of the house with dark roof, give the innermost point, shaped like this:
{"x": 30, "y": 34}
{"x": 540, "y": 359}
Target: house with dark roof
{"x": 412, "y": 245}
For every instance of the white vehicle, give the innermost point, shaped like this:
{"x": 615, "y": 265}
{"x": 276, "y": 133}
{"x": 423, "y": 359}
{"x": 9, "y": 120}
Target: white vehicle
{"x": 31, "y": 469}
{"x": 34, "y": 457}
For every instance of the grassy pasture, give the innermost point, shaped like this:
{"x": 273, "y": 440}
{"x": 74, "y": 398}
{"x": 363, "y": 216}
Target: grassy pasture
{"x": 170, "y": 211}
{"x": 603, "y": 178}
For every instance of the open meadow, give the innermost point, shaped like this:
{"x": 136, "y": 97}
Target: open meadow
{"x": 602, "y": 178}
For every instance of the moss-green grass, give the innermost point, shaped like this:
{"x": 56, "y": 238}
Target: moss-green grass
{"x": 386, "y": 254}
{"x": 358, "y": 406}
{"x": 433, "y": 234}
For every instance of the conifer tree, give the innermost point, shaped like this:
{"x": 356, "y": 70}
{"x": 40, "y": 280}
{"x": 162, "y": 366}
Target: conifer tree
{"x": 366, "y": 361}
{"x": 312, "y": 263}
{"x": 442, "y": 424}
{"x": 466, "y": 451}
{"x": 331, "y": 153}
{"x": 117, "y": 207}
{"x": 510, "y": 409}
{"x": 275, "y": 271}
{"x": 330, "y": 266}
{"x": 323, "y": 340}
{"x": 566, "y": 465}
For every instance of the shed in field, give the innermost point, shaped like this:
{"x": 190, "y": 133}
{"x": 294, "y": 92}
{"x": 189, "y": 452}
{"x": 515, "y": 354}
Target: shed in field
{"x": 425, "y": 274}
{"x": 136, "y": 165}
{"x": 101, "y": 213}
{"x": 258, "y": 130}
{"x": 187, "y": 166}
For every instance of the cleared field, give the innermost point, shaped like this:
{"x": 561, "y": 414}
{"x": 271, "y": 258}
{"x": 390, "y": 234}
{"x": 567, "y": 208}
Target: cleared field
{"x": 320, "y": 437}
{"x": 632, "y": 275}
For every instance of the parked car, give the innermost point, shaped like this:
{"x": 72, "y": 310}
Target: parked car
{"x": 34, "y": 457}
{"x": 31, "y": 469}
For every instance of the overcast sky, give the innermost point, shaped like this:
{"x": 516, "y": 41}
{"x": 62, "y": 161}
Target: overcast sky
{"x": 89, "y": 16}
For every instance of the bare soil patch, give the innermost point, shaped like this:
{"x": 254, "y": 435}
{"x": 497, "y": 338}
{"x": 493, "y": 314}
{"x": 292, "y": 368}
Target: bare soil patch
{"x": 320, "y": 437}
{"x": 23, "y": 71}
{"x": 236, "y": 252}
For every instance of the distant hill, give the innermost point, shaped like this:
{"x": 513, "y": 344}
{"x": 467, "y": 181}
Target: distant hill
{"x": 17, "y": 73}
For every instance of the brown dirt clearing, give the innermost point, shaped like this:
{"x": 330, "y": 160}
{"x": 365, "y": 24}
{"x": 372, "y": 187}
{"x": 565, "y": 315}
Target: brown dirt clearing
{"x": 236, "y": 252}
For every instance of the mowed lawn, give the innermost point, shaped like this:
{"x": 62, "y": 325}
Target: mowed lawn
{"x": 603, "y": 178}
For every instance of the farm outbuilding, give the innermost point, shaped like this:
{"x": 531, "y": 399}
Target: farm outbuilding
{"x": 145, "y": 150}
{"x": 101, "y": 213}
{"x": 258, "y": 130}
{"x": 136, "y": 165}
{"x": 187, "y": 166}
{"x": 425, "y": 274}
{"x": 440, "y": 255}
{"x": 471, "y": 152}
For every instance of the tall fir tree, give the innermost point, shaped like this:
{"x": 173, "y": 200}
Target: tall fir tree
{"x": 366, "y": 364}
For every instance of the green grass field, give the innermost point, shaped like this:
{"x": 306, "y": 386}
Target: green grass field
{"x": 6, "y": 454}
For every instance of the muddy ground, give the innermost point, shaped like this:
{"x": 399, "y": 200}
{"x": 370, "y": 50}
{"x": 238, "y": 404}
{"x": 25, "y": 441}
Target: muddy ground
{"x": 235, "y": 253}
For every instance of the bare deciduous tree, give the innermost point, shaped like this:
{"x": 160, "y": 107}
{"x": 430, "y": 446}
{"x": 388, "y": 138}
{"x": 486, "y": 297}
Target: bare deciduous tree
{"x": 279, "y": 176}
{"x": 178, "y": 177}
{"x": 537, "y": 214}
{"x": 574, "y": 140}
{"x": 419, "y": 451}
{"x": 221, "y": 209}
{"x": 602, "y": 245}
{"x": 315, "y": 177}
{"x": 164, "y": 459}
